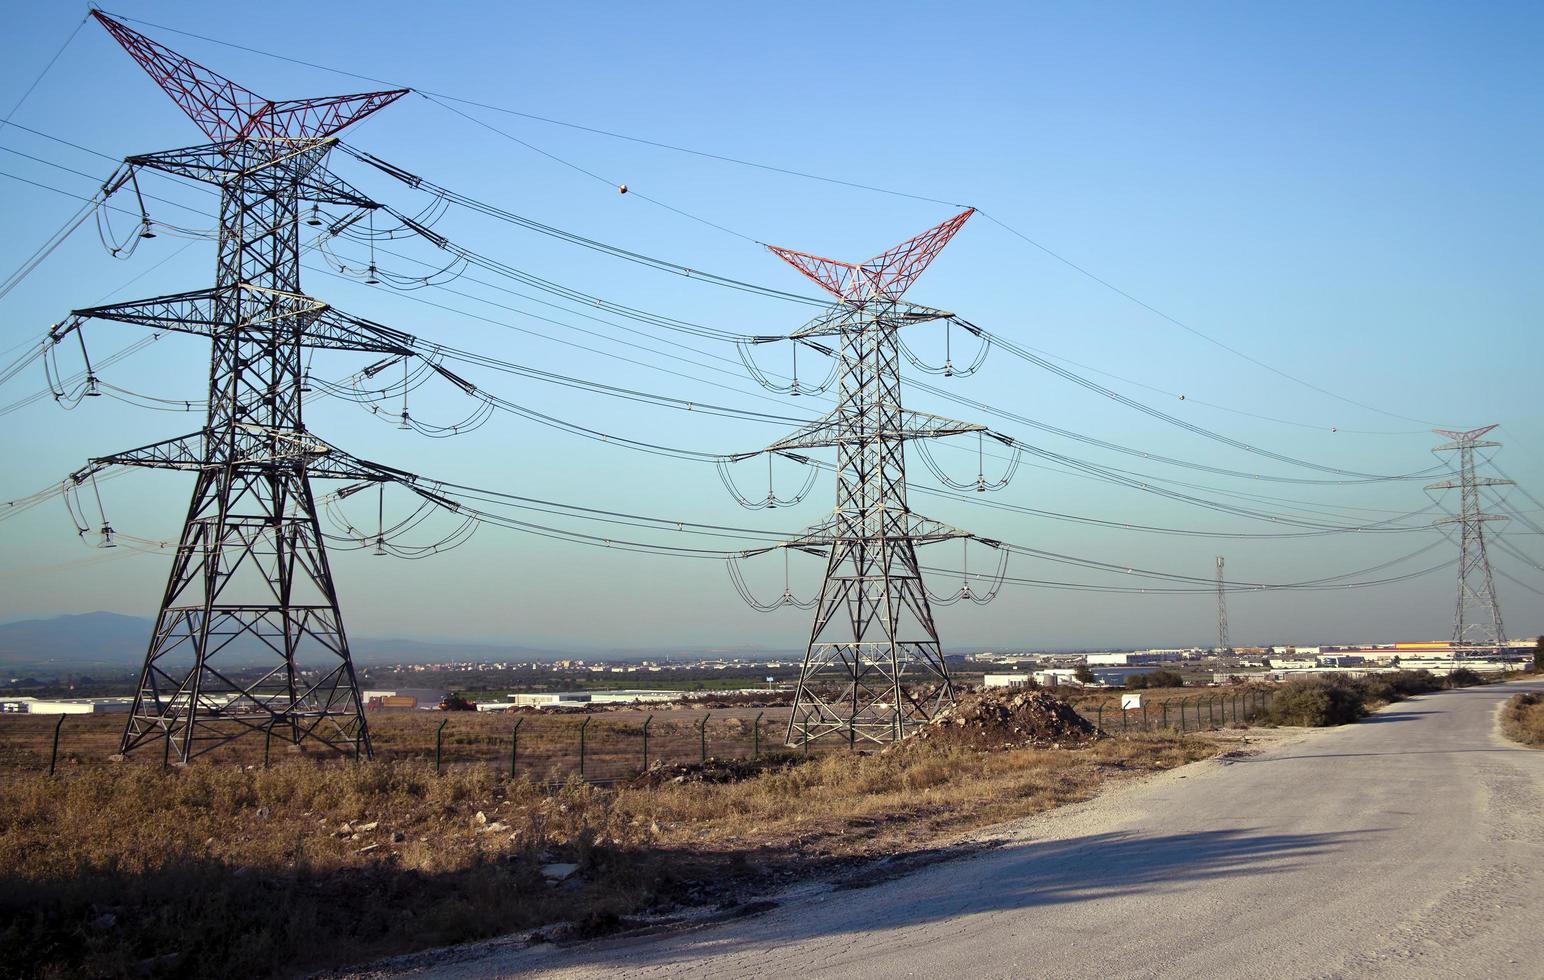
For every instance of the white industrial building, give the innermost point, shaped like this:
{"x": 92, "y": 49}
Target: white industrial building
{"x": 1133, "y": 659}
{"x": 1283, "y": 663}
{"x": 1341, "y": 660}
{"x": 1006, "y": 680}
{"x": 580, "y": 699}
{"x": 75, "y": 706}
{"x": 1103, "y": 676}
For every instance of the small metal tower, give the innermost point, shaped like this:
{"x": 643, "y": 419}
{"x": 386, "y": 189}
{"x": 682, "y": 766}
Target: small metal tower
{"x": 1477, "y": 615}
{"x": 250, "y": 582}
{"x": 874, "y": 629}
{"x": 1223, "y": 646}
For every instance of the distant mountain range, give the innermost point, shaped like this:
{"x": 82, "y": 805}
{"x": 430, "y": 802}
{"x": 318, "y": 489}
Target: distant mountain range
{"x": 110, "y": 642}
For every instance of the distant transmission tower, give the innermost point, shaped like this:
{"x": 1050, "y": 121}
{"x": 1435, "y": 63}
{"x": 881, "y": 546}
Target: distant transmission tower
{"x": 874, "y": 629}
{"x": 1223, "y": 646}
{"x": 250, "y": 579}
{"x": 1477, "y": 615}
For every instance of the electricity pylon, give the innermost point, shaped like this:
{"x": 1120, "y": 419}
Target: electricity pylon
{"x": 1477, "y": 615}
{"x": 1223, "y": 646}
{"x": 874, "y": 627}
{"x": 250, "y": 582}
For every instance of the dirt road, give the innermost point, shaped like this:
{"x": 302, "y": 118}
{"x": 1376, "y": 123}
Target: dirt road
{"x": 1410, "y": 845}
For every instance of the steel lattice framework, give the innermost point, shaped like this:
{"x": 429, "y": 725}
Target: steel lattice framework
{"x": 1223, "y": 645}
{"x": 874, "y": 634}
{"x": 1477, "y": 614}
{"x": 250, "y": 582}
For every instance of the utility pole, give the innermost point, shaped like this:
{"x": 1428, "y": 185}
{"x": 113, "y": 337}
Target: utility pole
{"x": 874, "y": 630}
{"x": 1223, "y": 646}
{"x": 250, "y": 582}
{"x": 1477, "y": 614}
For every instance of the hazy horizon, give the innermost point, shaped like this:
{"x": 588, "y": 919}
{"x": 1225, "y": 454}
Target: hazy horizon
{"x": 1347, "y": 195}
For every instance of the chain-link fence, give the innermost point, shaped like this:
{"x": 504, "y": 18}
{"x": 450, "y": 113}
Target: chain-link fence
{"x": 1171, "y": 711}
{"x": 602, "y": 747}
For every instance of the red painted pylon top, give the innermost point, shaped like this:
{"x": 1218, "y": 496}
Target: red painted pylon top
{"x": 226, "y": 111}
{"x": 886, "y": 275}
{"x": 1469, "y": 436}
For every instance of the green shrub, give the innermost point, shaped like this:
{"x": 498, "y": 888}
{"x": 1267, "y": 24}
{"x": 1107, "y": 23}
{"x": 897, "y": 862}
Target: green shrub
{"x": 1395, "y": 686}
{"x": 1408, "y": 682}
{"x": 1314, "y": 702}
{"x": 1464, "y": 677}
{"x": 1156, "y": 678}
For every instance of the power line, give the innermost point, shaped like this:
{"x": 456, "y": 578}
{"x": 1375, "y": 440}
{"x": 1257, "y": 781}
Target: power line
{"x": 1080, "y": 269}
{"x": 42, "y": 74}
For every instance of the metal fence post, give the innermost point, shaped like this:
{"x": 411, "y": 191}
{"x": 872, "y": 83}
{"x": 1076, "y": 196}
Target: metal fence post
{"x": 1165, "y": 709}
{"x": 514, "y": 746}
{"x": 646, "y": 722}
{"x": 1144, "y": 717}
{"x": 53, "y": 758}
{"x": 756, "y": 736}
{"x": 1099, "y": 716}
{"x": 1123, "y": 720}
{"x": 439, "y": 734}
{"x": 702, "y": 737}
{"x": 581, "y": 745}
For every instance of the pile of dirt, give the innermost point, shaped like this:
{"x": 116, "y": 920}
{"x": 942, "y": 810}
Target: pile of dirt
{"x": 1005, "y": 718}
{"x": 712, "y": 771}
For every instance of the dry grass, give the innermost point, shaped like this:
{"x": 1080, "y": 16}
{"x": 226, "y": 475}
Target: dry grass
{"x": 1522, "y": 720}
{"x": 549, "y": 743}
{"x": 232, "y": 871}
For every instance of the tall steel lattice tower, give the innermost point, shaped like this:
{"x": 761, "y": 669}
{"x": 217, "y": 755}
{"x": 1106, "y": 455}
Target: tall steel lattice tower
{"x": 1477, "y": 615}
{"x": 874, "y": 629}
{"x": 1223, "y": 645}
{"x": 250, "y": 582}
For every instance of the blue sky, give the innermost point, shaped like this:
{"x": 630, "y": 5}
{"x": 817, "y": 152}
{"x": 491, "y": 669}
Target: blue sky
{"x": 1346, "y": 193}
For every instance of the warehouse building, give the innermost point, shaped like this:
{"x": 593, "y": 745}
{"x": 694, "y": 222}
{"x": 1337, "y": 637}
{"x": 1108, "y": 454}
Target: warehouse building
{"x": 79, "y": 706}
{"x": 1133, "y": 659}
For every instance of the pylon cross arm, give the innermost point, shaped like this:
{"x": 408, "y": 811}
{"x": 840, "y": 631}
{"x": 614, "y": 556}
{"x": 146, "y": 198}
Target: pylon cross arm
{"x": 279, "y": 168}
{"x": 253, "y": 445}
{"x": 834, "y": 430}
{"x": 838, "y": 317}
{"x": 313, "y": 323}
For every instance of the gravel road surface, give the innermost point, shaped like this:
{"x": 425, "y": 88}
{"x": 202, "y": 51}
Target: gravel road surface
{"x": 1410, "y": 845}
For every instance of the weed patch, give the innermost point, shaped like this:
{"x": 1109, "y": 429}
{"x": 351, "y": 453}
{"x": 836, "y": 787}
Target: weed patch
{"x": 1522, "y": 720}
